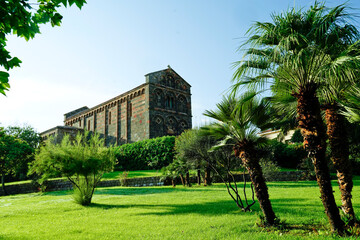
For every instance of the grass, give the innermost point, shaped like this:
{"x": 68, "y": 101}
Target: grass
{"x": 165, "y": 213}
{"x": 132, "y": 174}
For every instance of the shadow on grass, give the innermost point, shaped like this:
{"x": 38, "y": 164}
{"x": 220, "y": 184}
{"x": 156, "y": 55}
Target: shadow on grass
{"x": 154, "y": 190}
{"x": 216, "y": 208}
{"x": 209, "y": 208}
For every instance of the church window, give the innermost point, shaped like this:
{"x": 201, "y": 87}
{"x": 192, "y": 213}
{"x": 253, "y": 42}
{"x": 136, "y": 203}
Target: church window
{"x": 80, "y": 123}
{"x": 109, "y": 117}
{"x": 88, "y": 126}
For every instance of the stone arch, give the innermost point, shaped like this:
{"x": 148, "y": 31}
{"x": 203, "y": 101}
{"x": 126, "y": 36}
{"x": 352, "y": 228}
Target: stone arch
{"x": 182, "y": 103}
{"x": 159, "y": 124}
{"x": 182, "y": 126}
{"x": 170, "y": 81}
{"x": 159, "y": 98}
{"x": 171, "y": 126}
{"x": 170, "y": 101}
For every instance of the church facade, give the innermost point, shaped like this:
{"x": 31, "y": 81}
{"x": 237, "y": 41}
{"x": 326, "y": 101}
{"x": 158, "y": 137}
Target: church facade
{"x": 159, "y": 107}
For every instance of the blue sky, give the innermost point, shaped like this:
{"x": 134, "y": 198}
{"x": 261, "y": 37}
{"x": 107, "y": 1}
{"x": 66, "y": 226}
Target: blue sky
{"x": 106, "y": 48}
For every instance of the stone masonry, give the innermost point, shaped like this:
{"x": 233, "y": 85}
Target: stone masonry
{"x": 159, "y": 107}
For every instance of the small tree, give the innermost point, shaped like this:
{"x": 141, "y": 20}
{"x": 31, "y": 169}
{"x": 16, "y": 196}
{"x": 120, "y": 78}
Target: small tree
{"x": 237, "y": 125}
{"x": 82, "y": 162}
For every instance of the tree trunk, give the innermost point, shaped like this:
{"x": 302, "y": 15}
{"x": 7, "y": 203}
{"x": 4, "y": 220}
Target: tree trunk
{"x": 313, "y": 131}
{"x": 3, "y": 183}
{"x": 339, "y": 145}
{"x": 246, "y": 152}
{"x": 187, "y": 179}
{"x": 207, "y": 181}
{"x": 198, "y": 177}
{"x": 182, "y": 179}
{"x": 173, "y": 182}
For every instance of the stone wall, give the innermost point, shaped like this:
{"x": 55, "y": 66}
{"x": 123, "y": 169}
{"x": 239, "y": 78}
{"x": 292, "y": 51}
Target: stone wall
{"x": 62, "y": 184}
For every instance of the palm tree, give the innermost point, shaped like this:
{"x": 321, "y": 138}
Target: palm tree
{"x": 294, "y": 51}
{"x": 237, "y": 123}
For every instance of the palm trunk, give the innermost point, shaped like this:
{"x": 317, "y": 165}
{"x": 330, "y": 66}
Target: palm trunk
{"x": 246, "y": 152}
{"x": 339, "y": 145}
{"x": 313, "y": 131}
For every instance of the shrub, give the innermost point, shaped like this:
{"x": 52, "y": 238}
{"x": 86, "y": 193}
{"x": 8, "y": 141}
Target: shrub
{"x": 147, "y": 154}
{"x": 286, "y": 155}
{"x": 83, "y": 162}
{"x": 270, "y": 169}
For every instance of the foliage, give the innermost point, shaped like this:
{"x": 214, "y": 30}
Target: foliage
{"x": 83, "y": 162}
{"x": 270, "y": 169}
{"x": 147, "y": 154}
{"x": 238, "y": 122}
{"x": 33, "y": 139}
{"x": 13, "y": 152}
{"x": 124, "y": 178}
{"x": 297, "y": 137}
{"x": 23, "y": 19}
{"x": 25, "y": 133}
{"x": 286, "y": 155}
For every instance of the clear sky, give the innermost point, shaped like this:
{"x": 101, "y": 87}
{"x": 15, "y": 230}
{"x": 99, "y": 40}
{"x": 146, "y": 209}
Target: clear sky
{"x": 106, "y": 48}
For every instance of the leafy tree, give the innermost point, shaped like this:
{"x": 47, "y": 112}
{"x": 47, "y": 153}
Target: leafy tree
{"x": 23, "y": 18}
{"x": 83, "y": 162}
{"x": 295, "y": 51}
{"x": 25, "y": 133}
{"x": 33, "y": 139}
{"x": 237, "y": 121}
{"x": 12, "y": 152}
{"x": 193, "y": 148}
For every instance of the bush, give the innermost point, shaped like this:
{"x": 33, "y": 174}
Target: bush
{"x": 286, "y": 155}
{"x": 270, "y": 169}
{"x": 147, "y": 154}
{"x": 83, "y": 162}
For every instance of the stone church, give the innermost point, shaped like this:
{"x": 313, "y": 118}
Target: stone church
{"x": 159, "y": 107}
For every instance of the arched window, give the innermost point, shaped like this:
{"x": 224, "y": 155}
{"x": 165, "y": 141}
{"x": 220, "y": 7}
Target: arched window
{"x": 170, "y": 101}
{"x": 159, "y": 98}
{"x": 182, "y": 104}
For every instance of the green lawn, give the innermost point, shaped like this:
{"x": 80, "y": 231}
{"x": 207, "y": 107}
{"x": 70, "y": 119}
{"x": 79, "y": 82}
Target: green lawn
{"x": 164, "y": 213}
{"x": 132, "y": 174}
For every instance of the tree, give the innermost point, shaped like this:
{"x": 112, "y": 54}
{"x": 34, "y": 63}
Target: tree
{"x": 293, "y": 50}
{"x": 33, "y": 139}
{"x": 238, "y": 122}
{"x": 23, "y": 19}
{"x": 83, "y": 162}
{"x": 193, "y": 148}
{"x": 25, "y": 133}
{"x": 12, "y": 152}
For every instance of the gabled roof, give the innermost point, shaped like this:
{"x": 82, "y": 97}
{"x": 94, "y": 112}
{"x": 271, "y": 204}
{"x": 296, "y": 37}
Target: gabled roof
{"x": 169, "y": 69}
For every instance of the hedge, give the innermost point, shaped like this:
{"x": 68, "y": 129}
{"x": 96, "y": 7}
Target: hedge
{"x": 147, "y": 154}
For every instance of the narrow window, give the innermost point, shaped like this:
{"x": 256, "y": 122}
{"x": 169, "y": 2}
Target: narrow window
{"x": 88, "y": 127}
{"x": 80, "y": 123}
{"x": 109, "y": 118}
